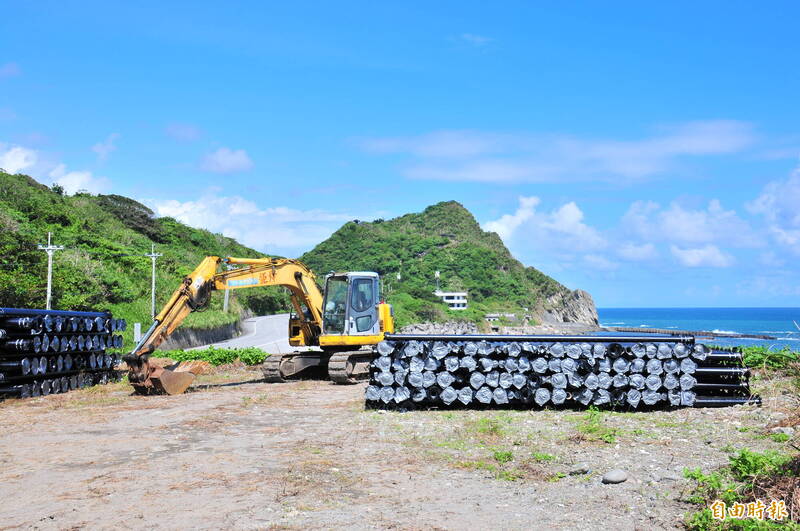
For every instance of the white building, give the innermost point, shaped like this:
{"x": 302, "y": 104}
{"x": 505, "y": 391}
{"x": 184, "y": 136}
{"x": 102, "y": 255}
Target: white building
{"x": 455, "y": 300}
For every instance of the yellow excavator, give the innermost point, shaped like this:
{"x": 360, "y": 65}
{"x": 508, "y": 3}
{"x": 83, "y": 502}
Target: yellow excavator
{"x": 347, "y": 316}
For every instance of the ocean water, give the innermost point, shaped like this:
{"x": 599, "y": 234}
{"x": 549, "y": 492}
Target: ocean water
{"x": 776, "y": 322}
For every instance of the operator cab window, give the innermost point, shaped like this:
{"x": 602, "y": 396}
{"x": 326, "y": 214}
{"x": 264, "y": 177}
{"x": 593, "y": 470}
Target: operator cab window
{"x": 335, "y": 305}
{"x": 363, "y": 297}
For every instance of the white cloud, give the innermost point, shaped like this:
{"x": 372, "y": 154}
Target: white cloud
{"x": 264, "y": 229}
{"x": 503, "y": 157}
{"x": 508, "y": 223}
{"x": 106, "y": 147}
{"x": 779, "y": 205}
{"x": 706, "y": 256}
{"x": 76, "y": 181}
{"x": 562, "y": 228}
{"x": 637, "y": 253}
{"x": 183, "y": 132}
{"x": 226, "y": 160}
{"x": 15, "y": 159}
{"x": 440, "y": 144}
{"x": 9, "y": 70}
{"x": 567, "y": 221}
{"x": 680, "y": 224}
{"x": 475, "y": 40}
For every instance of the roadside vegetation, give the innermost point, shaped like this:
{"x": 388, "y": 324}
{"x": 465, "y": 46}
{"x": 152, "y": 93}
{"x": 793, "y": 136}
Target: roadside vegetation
{"x": 217, "y": 356}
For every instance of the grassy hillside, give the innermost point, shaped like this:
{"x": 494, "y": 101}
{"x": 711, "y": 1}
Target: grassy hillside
{"x": 445, "y": 237}
{"x": 102, "y": 267}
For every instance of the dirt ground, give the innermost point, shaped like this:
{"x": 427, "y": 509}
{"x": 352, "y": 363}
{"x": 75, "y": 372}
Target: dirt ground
{"x": 307, "y": 455}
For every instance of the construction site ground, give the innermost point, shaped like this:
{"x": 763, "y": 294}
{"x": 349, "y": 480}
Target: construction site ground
{"x": 307, "y": 455}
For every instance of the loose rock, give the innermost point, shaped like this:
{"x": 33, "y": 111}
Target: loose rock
{"x": 579, "y": 469}
{"x": 615, "y": 476}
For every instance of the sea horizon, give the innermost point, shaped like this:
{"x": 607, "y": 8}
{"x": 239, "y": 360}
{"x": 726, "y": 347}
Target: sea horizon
{"x": 694, "y": 307}
{"x": 780, "y": 322}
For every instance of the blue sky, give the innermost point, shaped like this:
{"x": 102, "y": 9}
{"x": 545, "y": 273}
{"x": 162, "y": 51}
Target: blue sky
{"x": 646, "y": 153}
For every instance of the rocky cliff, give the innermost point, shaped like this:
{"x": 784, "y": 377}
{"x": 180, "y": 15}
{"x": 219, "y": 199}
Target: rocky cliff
{"x": 568, "y": 307}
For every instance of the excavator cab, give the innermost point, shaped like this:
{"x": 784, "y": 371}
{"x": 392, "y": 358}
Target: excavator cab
{"x": 352, "y": 312}
{"x": 350, "y": 306}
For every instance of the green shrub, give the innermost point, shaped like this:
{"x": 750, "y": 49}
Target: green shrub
{"x": 217, "y": 356}
{"x": 764, "y": 357}
{"x": 747, "y": 464}
{"x": 503, "y": 456}
{"x": 734, "y": 483}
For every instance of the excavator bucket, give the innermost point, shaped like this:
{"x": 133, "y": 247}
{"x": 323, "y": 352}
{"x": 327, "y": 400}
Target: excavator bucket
{"x": 150, "y": 379}
{"x": 171, "y": 382}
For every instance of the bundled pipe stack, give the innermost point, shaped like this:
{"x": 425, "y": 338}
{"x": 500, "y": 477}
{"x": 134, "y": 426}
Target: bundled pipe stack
{"x": 538, "y": 371}
{"x": 46, "y": 351}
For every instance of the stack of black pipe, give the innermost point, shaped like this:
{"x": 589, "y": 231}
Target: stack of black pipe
{"x": 48, "y": 351}
{"x": 412, "y": 371}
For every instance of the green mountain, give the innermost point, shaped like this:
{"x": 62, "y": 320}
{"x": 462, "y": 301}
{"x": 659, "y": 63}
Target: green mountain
{"x": 102, "y": 266}
{"x": 446, "y": 237}
{"x": 105, "y": 238}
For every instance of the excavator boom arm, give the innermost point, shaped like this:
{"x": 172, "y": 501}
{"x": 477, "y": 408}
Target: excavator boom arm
{"x": 195, "y": 290}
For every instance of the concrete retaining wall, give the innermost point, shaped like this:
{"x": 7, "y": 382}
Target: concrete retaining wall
{"x": 187, "y": 337}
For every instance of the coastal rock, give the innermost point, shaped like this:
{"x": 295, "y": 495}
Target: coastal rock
{"x": 569, "y": 307}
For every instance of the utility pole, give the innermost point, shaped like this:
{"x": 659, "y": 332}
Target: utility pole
{"x": 227, "y": 291}
{"x": 50, "y": 249}
{"x": 436, "y": 274}
{"x": 153, "y": 256}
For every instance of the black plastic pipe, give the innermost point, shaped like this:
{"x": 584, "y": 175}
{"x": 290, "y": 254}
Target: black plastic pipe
{"x": 723, "y": 357}
{"x": 719, "y": 401}
{"x": 742, "y": 372}
{"x": 28, "y": 311}
{"x": 731, "y": 387}
{"x": 540, "y": 338}
{"x": 22, "y": 366}
{"x": 22, "y": 390}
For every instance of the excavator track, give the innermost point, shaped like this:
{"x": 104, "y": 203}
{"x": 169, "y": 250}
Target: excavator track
{"x": 350, "y": 367}
{"x": 279, "y": 367}
{"x": 272, "y": 369}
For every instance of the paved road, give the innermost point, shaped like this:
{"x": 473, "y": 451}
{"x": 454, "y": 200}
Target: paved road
{"x": 267, "y": 332}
